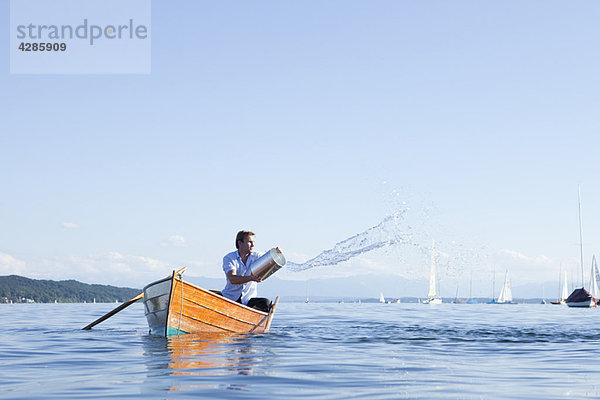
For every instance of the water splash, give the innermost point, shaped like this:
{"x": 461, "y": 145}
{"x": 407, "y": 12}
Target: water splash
{"x": 404, "y": 243}
{"x": 387, "y": 233}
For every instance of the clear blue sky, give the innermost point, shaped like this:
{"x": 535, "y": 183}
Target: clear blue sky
{"x": 309, "y": 122}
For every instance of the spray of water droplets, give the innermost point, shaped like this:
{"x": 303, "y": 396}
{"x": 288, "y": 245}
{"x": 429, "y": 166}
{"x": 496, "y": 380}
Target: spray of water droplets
{"x": 405, "y": 238}
{"x": 387, "y": 233}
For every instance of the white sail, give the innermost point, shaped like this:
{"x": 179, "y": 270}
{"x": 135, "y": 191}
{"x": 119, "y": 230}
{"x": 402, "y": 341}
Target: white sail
{"x": 508, "y": 292}
{"x": 432, "y": 296}
{"x": 565, "y": 290}
{"x": 594, "y": 291}
{"x": 501, "y": 297}
{"x": 381, "y": 298}
{"x": 505, "y": 293}
{"x": 432, "y": 290}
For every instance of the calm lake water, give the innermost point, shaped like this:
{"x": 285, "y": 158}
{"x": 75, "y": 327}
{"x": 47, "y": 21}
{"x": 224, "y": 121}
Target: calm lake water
{"x": 315, "y": 350}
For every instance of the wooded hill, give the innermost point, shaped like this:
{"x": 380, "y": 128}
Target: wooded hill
{"x": 18, "y": 289}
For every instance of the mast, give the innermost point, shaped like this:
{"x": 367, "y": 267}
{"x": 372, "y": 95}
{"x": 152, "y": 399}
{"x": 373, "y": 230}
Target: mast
{"x": 307, "y": 299}
{"x": 563, "y": 287}
{"x": 559, "y": 282}
{"x": 432, "y": 291}
{"x": 565, "y": 290}
{"x": 494, "y": 285}
{"x": 471, "y": 286}
{"x": 580, "y": 233}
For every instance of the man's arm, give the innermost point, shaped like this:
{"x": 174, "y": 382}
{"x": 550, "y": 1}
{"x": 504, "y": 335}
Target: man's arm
{"x": 235, "y": 279}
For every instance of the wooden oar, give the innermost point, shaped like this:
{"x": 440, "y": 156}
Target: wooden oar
{"x": 113, "y": 312}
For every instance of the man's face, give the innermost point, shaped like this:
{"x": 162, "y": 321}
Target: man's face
{"x": 247, "y": 245}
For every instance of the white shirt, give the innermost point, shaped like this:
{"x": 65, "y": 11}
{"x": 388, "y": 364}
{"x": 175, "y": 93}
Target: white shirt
{"x": 233, "y": 261}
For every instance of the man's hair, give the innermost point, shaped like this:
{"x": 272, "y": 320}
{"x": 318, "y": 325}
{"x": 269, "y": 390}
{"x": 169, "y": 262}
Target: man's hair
{"x": 241, "y": 236}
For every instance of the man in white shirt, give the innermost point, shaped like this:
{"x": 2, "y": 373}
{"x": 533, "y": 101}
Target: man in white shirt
{"x": 241, "y": 284}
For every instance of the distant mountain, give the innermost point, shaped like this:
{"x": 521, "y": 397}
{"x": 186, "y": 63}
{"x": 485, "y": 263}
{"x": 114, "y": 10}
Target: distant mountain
{"x": 18, "y": 289}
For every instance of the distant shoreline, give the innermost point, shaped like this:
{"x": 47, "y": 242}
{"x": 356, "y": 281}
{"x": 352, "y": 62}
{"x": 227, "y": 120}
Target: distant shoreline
{"x": 18, "y": 289}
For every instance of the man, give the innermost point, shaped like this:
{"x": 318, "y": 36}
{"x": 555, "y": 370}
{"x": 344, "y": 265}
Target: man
{"x": 241, "y": 284}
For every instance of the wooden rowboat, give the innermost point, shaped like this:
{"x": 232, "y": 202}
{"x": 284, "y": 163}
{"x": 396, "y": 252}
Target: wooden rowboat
{"x": 174, "y": 307}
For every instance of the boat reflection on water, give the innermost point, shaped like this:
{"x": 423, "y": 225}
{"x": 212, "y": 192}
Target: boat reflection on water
{"x": 210, "y": 358}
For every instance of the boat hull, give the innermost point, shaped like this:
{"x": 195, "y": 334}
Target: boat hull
{"x": 156, "y": 305}
{"x": 581, "y": 298}
{"x": 174, "y": 307}
{"x": 587, "y": 303}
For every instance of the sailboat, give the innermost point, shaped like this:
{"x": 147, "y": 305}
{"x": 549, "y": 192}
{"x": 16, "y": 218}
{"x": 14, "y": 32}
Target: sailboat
{"x": 432, "y": 296}
{"x": 564, "y": 292}
{"x": 543, "y": 296}
{"x": 456, "y": 299}
{"x": 581, "y": 297}
{"x": 505, "y": 296}
{"x": 471, "y": 299}
{"x": 381, "y": 298}
{"x": 307, "y": 299}
{"x": 493, "y": 301}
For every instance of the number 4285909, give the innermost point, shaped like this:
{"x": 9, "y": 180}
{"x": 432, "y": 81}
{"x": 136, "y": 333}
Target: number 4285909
{"x": 24, "y": 46}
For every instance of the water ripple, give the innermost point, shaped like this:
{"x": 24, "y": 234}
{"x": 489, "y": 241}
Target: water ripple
{"x": 321, "y": 351}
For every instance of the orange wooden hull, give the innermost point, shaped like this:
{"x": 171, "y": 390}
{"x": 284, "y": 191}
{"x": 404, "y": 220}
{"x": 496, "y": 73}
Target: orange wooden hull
{"x": 175, "y": 307}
